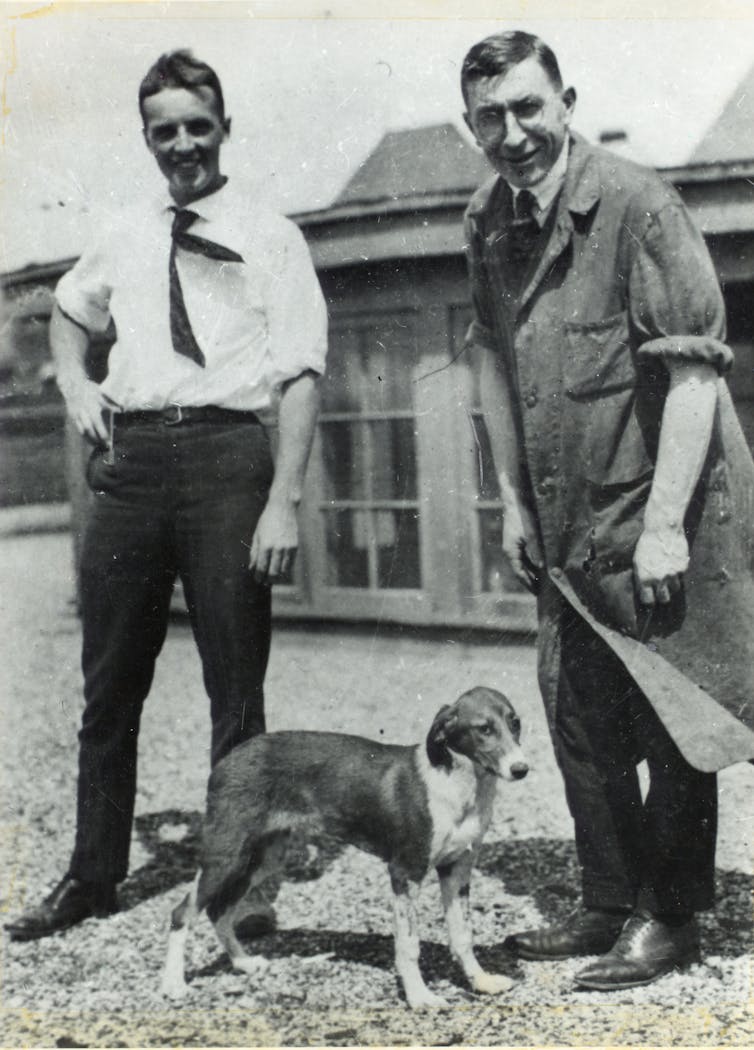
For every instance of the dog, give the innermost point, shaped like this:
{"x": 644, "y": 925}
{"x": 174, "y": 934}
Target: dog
{"x": 417, "y": 807}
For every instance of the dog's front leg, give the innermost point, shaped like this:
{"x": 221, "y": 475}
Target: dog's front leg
{"x": 182, "y": 919}
{"x": 407, "y": 943}
{"x": 454, "y": 886}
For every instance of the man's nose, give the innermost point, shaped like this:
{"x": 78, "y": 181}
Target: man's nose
{"x": 183, "y": 143}
{"x": 513, "y": 133}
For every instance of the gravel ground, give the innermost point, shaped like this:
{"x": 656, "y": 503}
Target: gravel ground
{"x": 329, "y": 978}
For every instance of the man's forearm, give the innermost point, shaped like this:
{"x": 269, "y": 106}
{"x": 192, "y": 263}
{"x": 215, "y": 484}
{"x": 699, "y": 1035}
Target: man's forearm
{"x": 501, "y": 428}
{"x": 661, "y": 556}
{"x": 684, "y": 439}
{"x": 84, "y": 400}
{"x": 297, "y": 421}
{"x": 68, "y": 344}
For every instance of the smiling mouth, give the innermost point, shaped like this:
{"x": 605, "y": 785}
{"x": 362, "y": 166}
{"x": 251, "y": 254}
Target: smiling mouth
{"x": 522, "y": 160}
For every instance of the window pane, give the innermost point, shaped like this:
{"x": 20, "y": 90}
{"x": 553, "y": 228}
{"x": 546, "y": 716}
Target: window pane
{"x": 348, "y": 540}
{"x": 341, "y": 390}
{"x": 397, "y": 539}
{"x": 344, "y": 460}
{"x": 497, "y": 575}
{"x": 388, "y": 369}
{"x": 393, "y": 459}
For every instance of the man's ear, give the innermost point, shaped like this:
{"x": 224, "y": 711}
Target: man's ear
{"x": 226, "y": 127}
{"x": 440, "y": 732}
{"x": 569, "y": 101}
{"x": 467, "y": 121}
{"x": 146, "y": 138}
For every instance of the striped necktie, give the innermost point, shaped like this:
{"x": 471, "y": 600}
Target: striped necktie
{"x": 181, "y": 333}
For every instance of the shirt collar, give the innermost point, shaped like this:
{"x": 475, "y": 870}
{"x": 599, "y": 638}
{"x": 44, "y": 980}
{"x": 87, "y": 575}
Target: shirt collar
{"x": 210, "y": 207}
{"x": 547, "y": 190}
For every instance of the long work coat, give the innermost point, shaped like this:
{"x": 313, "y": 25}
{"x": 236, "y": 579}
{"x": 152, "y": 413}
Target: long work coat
{"x": 622, "y": 284}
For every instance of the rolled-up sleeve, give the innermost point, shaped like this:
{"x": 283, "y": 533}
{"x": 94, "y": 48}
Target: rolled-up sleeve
{"x": 297, "y": 312}
{"x": 481, "y": 329}
{"x": 675, "y": 301}
{"x": 84, "y": 292}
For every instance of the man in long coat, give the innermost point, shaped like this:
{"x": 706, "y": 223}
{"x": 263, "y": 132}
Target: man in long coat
{"x": 627, "y": 496}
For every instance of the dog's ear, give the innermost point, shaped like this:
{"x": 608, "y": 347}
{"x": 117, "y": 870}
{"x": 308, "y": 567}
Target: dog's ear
{"x": 439, "y": 734}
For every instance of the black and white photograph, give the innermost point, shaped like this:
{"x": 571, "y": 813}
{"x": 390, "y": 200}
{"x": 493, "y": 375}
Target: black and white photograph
{"x": 377, "y": 524}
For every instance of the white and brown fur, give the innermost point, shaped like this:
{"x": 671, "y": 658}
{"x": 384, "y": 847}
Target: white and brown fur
{"x": 421, "y": 807}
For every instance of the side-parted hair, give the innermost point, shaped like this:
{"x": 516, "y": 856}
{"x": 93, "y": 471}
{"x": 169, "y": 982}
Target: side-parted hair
{"x": 179, "y": 69}
{"x": 497, "y": 54}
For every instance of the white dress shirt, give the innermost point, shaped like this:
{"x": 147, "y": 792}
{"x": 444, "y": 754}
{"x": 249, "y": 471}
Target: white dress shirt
{"x": 259, "y": 323}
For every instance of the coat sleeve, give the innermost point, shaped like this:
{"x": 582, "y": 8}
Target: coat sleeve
{"x": 481, "y": 330}
{"x": 676, "y": 306}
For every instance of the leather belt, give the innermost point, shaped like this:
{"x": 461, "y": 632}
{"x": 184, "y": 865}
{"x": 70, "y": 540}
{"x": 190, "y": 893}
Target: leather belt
{"x": 178, "y": 415}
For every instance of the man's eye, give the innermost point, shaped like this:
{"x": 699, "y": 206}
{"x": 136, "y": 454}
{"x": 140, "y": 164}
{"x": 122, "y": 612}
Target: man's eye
{"x": 528, "y": 109}
{"x": 199, "y": 127}
{"x": 164, "y": 133}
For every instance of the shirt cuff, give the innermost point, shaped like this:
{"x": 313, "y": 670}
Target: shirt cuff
{"x": 80, "y": 307}
{"x": 701, "y": 348}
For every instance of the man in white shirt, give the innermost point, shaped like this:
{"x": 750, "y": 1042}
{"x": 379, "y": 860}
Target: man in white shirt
{"x": 221, "y": 327}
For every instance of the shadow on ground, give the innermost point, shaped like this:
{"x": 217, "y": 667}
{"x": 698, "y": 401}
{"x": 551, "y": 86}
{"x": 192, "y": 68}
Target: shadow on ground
{"x": 542, "y": 869}
{"x": 365, "y": 949}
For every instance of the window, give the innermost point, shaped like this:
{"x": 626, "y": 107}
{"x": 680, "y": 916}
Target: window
{"x": 368, "y": 440}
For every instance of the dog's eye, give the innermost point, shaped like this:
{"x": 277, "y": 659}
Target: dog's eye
{"x": 486, "y": 729}
{"x": 515, "y": 725}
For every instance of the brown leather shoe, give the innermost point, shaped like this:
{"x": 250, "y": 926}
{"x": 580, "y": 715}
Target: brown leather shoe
{"x": 646, "y": 949}
{"x": 586, "y": 932}
{"x": 69, "y": 903}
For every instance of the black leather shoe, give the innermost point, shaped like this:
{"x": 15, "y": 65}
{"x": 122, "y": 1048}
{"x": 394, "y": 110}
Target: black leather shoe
{"x": 586, "y": 932}
{"x": 71, "y": 901}
{"x": 646, "y": 949}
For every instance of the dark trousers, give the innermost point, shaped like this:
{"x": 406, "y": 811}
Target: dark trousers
{"x": 657, "y": 854}
{"x": 179, "y": 501}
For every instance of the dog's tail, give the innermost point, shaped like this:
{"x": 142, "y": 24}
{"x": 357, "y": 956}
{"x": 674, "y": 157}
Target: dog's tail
{"x": 182, "y": 919}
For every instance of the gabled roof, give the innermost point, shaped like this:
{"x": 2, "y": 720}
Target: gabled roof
{"x": 731, "y": 137}
{"x": 419, "y": 162}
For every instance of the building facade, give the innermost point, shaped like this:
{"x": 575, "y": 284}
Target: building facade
{"x": 401, "y": 518}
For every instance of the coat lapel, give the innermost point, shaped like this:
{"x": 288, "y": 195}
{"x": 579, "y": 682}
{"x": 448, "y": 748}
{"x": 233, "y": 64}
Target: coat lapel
{"x": 580, "y": 193}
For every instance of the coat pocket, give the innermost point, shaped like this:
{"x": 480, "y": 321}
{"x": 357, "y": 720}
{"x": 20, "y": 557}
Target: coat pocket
{"x": 609, "y": 434}
{"x": 598, "y": 359}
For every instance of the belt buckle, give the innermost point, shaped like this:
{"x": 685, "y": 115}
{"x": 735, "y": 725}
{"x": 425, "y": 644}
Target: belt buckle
{"x": 172, "y": 415}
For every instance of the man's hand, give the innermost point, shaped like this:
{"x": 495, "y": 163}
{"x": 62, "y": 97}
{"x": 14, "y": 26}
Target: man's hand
{"x": 520, "y": 545}
{"x": 275, "y": 542}
{"x": 660, "y": 560}
{"x": 85, "y": 403}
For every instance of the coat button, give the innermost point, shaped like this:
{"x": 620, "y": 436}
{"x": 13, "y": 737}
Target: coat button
{"x": 531, "y": 399}
{"x": 546, "y": 486}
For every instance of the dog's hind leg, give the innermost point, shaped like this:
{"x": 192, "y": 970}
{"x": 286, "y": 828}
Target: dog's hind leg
{"x": 407, "y": 943}
{"x": 255, "y": 915}
{"x": 264, "y": 876}
{"x": 225, "y": 928}
{"x": 454, "y": 886}
{"x": 182, "y": 919}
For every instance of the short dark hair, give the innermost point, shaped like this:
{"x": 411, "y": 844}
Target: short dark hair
{"x": 179, "y": 69}
{"x": 495, "y": 55}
